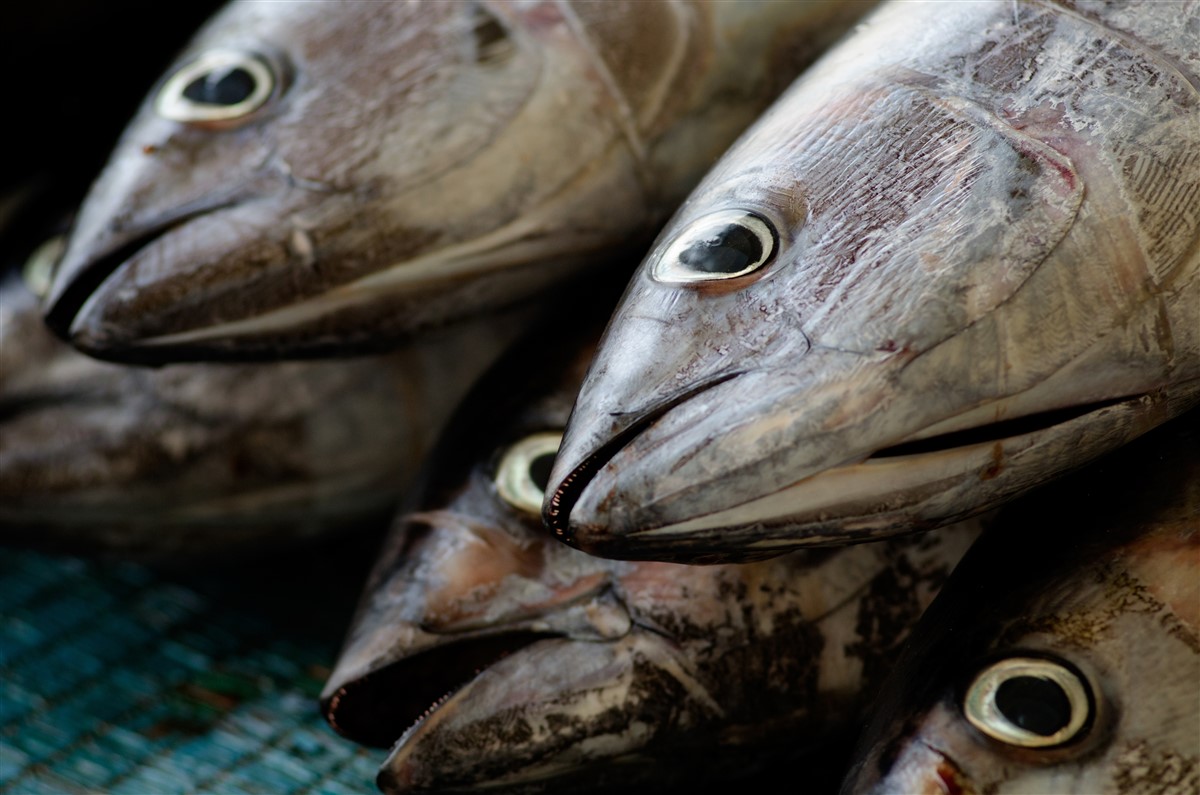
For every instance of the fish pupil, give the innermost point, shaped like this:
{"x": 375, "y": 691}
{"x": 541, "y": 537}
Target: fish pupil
{"x": 1035, "y": 704}
{"x": 539, "y": 470}
{"x": 730, "y": 249}
{"x": 221, "y": 87}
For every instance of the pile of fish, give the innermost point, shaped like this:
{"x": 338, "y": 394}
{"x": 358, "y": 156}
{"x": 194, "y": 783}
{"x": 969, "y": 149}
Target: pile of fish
{"x": 934, "y": 302}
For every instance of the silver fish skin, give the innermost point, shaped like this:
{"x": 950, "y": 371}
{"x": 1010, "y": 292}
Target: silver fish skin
{"x": 415, "y": 163}
{"x": 987, "y": 273}
{"x": 211, "y": 459}
{"x": 1099, "y": 577}
{"x": 505, "y": 661}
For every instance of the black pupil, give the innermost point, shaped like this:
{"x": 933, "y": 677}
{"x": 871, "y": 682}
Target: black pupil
{"x": 729, "y": 249}
{"x": 539, "y": 470}
{"x": 221, "y": 87}
{"x": 1035, "y": 704}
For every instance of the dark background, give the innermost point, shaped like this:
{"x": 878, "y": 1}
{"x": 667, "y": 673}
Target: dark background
{"x": 74, "y": 72}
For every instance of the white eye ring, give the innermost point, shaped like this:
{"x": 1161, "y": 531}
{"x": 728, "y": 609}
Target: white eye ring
{"x": 514, "y": 476}
{"x": 703, "y": 252}
{"x": 172, "y": 102}
{"x": 38, "y": 271}
{"x": 985, "y": 711}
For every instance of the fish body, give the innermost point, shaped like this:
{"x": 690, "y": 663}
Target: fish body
{"x": 1102, "y": 598}
{"x": 492, "y": 658}
{"x": 957, "y": 258}
{"x": 319, "y": 177}
{"x": 193, "y": 459}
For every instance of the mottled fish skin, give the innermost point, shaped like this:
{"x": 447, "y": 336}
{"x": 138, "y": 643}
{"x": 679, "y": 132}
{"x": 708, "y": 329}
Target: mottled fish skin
{"x": 565, "y": 671}
{"x": 1100, "y": 573}
{"x": 206, "y": 459}
{"x": 985, "y": 211}
{"x": 417, "y": 163}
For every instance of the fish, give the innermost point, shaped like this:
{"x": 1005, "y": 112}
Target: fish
{"x": 489, "y": 657}
{"x": 315, "y": 178}
{"x": 957, "y": 258}
{"x": 212, "y": 459}
{"x": 1063, "y": 655}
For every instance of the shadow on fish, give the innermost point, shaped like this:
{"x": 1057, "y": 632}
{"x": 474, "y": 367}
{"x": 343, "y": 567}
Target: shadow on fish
{"x": 1063, "y": 655}
{"x": 957, "y": 258}
{"x": 491, "y": 658}
{"x": 209, "y": 459}
{"x": 320, "y": 177}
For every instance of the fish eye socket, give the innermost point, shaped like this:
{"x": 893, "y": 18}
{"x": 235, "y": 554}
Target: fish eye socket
{"x": 219, "y": 86}
{"x": 723, "y": 245}
{"x": 524, "y": 471}
{"x": 1029, "y": 702}
{"x": 38, "y": 270}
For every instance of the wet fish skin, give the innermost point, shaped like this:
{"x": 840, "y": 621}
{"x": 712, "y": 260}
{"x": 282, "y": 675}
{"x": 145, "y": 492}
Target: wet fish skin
{"x": 1107, "y": 585}
{"x": 419, "y": 162}
{"x": 213, "y": 459}
{"x": 615, "y": 672}
{"x": 974, "y": 227}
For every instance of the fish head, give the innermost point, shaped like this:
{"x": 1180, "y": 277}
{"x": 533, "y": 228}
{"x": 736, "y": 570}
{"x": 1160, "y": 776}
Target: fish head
{"x": 851, "y": 329}
{"x": 311, "y": 175}
{"x": 1055, "y": 667}
{"x": 740, "y": 658}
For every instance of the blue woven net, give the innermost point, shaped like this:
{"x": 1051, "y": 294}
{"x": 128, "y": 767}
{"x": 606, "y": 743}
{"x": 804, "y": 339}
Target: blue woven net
{"x": 118, "y": 679}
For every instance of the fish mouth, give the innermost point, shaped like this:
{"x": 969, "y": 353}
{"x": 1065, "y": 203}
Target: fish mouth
{"x": 556, "y": 513}
{"x": 389, "y": 704}
{"x": 921, "y": 443}
{"x": 69, "y": 300}
{"x": 946, "y": 472}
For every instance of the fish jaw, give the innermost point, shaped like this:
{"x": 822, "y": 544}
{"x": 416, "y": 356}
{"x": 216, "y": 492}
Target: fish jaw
{"x": 744, "y": 469}
{"x": 557, "y": 706}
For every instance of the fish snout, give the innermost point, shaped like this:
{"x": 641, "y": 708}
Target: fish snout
{"x": 587, "y": 509}
{"x": 922, "y": 769}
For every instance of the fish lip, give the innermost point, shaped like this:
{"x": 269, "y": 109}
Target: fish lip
{"x": 556, "y": 514}
{"x": 364, "y": 708}
{"x": 67, "y": 302}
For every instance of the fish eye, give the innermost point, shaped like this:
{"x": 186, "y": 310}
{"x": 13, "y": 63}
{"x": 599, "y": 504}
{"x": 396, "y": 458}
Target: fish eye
{"x": 219, "y": 86}
{"x": 1029, "y": 702}
{"x": 723, "y": 245}
{"x": 38, "y": 271}
{"x": 524, "y": 471}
